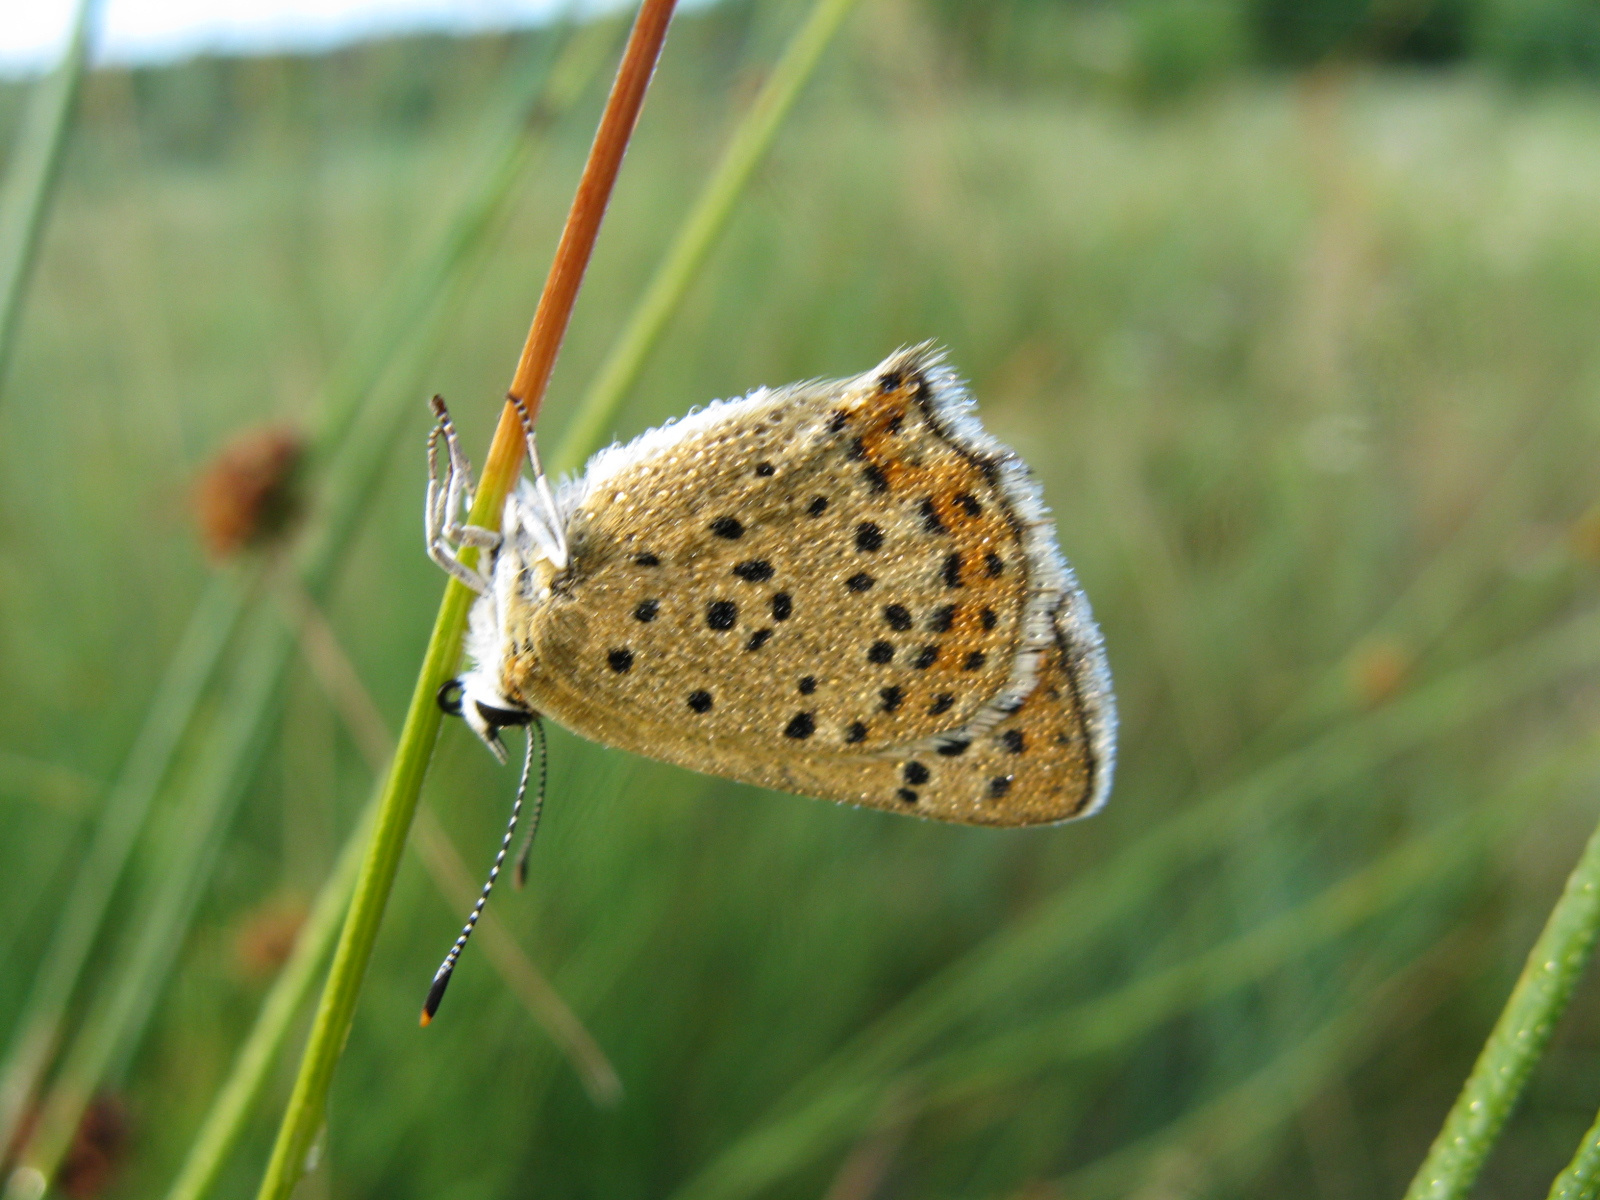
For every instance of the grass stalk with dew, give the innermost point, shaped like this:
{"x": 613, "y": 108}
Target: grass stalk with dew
{"x": 1070, "y": 920}
{"x": 35, "y": 167}
{"x": 1519, "y": 1037}
{"x": 307, "y": 1103}
{"x": 367, "y": 403}
{"x": 1580, "y": 1179}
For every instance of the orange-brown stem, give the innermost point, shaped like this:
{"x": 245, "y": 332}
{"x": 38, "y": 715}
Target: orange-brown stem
{"x": 336, "y": 1009}
{"x": 572, "y": 255}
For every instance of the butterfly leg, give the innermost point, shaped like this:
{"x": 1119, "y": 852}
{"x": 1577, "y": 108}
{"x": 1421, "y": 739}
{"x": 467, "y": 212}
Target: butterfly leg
{"x": 446, "y": 500}
{"x": 553, "y": 536}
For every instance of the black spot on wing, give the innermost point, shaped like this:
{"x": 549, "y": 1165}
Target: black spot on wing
{"x": 951, "y": 572}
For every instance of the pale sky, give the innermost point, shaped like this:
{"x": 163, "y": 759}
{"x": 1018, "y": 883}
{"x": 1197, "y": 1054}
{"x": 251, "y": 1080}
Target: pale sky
{"x": 32, "y": 32}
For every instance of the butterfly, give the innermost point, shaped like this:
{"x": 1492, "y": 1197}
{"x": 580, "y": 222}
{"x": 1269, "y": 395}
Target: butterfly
{"x": 842, "y": 589}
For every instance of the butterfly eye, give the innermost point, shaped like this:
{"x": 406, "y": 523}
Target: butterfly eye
{"x": 449, "y": 698}
{"x": 499, "y": 718}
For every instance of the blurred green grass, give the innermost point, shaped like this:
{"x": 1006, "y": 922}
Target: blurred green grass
{"x": 1308, "y": 370}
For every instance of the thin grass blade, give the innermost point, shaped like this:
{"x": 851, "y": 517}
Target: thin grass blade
{"x": 362, "y": 453}
{"x": 1518, "y": 1039}
{"x": 307, "y": 1103}
{"x": 1071, "y": 920}
{"x": 122, "y": 818}
{"x": 36, "y": 164}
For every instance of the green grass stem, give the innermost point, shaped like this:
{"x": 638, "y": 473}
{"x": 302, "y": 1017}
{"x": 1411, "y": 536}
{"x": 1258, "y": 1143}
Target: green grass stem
{"x": 304, "y": 1113}
{"x": 194, "y": 834}
{"x": 1518, "y": 1039}
{"x": 400, "y": 360}
{"x": 358, "y": 712}
{"x": 121, "y": 819}
{"x": 224, "y": 1120}
{"x": 1123, "y": 1014}
{"x": 426, "y": 293}
{"x": 35, "y": 167}
{"x": 1580, "y": 1180}
{"x": 1075, "y": 916}
{"x": 540, "y": 92}
{"x": 751, "y": 140}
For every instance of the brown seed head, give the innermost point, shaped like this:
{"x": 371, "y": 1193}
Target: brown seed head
{"x": 266, "y": 936}
{"x": 99, "y": 1148}
{"x": 248, "y": 494}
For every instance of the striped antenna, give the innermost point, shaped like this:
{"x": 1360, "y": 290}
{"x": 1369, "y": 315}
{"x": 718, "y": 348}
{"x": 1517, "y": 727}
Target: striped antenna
{"x": 441, "y": 979}
{"x": 535, "y": 726}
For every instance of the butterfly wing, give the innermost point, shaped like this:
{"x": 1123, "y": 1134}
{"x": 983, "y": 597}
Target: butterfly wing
{"x": 840, "y": 589}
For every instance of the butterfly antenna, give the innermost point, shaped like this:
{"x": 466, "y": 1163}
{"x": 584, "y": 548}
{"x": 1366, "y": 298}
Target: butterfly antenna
{"x": 534, "y": 727}
{"x": 441, "y": 979}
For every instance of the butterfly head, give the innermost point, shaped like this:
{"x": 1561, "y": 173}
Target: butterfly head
{"x": 481, "y": 706}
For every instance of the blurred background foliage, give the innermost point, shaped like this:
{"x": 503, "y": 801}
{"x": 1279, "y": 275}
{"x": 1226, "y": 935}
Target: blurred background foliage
{"x": 1291, "y": 307}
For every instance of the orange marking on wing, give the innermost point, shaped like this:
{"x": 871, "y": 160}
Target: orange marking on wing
{"x": 879, "y": 416}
